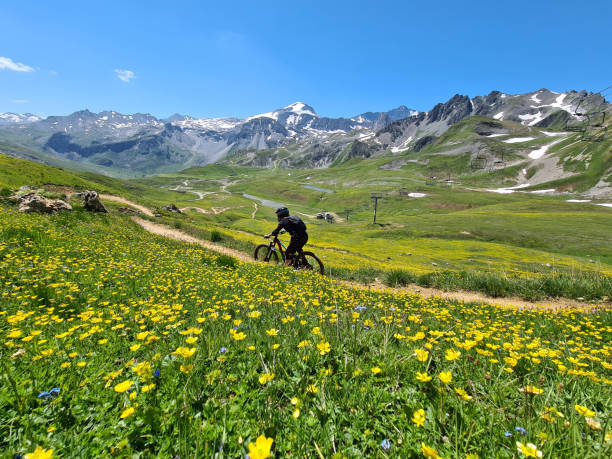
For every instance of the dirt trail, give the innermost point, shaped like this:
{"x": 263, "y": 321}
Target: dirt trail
{"x": 197, "y": 209}
{"x": 465, "y": 297}
{"x": 143, "y": 209}
{"x": 557, "y": 304}
{"x": 163, "y": 230}
{"x": 255, "y": 211}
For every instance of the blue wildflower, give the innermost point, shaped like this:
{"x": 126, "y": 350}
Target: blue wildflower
{"x": 55, "y": 391}
{"x": 223, "y": 350}
{"x": 385, "y": 444}
{"x": 521, "y": 430}
{"x": 44, "y": 395}
{"x": 507, "y": 434}
{"x": 157, "y": 374}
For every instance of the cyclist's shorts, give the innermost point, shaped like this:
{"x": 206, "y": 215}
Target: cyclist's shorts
{"x": 296, "y": 244}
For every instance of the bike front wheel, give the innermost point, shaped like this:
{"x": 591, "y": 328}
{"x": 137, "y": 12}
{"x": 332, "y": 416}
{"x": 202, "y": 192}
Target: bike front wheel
{"x": 311, "y": 262}
{"x": 265, "y": 254}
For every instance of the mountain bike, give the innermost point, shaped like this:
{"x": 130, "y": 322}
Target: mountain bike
{"x": 269, "y": 253}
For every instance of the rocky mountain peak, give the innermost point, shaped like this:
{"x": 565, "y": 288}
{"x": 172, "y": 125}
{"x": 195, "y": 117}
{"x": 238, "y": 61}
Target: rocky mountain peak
{"x": 456, "y": 109}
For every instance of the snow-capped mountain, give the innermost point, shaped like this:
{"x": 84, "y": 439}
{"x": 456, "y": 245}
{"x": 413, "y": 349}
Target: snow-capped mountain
{"x": 144, "y": 143}
{"x": 140, "y": 140}
{"x": 18, "y": 118}
{"x": 542, "y": 108}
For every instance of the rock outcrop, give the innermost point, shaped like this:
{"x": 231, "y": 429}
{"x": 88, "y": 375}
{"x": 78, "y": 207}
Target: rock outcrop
{"x": 172, "y": 208}
{"x": 91, "y": 202}
{"x": 32, "y": 202}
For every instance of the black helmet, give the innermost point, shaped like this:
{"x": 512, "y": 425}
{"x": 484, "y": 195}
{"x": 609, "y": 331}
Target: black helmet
{"x": 282, "y": 212}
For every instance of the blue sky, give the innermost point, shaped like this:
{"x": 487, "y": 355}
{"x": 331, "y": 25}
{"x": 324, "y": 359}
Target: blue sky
{"x": 239, "y": 58}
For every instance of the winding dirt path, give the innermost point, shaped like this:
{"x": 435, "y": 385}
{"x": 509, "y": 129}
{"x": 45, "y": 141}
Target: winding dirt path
{"x": 121, "y": 200}
{"x": 462, "y": 296}
{"x": 197, "y": 209}
{"x": 255, "y": 211}
{"x": 163, "y": 230}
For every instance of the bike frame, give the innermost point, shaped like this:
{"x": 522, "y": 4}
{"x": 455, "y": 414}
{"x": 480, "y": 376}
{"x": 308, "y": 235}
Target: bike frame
{"x": 282, "y": 248}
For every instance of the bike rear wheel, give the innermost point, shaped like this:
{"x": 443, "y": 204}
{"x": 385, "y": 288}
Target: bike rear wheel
{"x": 310, "y": 261}
{"x": 265, "y": 254}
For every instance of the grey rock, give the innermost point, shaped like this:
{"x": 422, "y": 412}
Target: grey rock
{"x": 172, "y": 208}
{"x": 32, "y": 202}
{"x": 91, "y": 202}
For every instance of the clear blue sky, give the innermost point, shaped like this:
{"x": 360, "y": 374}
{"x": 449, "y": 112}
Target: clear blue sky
{"x": 235, "y": 58}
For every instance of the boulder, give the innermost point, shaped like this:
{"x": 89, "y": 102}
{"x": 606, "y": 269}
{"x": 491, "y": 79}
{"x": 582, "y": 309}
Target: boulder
{"x": 172, "y": 208}
{"x": 91, "y": 202}
{"x": 32, "y": 202}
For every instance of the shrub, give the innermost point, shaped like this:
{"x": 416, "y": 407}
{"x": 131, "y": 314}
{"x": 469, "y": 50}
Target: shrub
{"x": 226, "y": 261}
{"x": 216, "y": 236}
{"x": 399, "y": 277}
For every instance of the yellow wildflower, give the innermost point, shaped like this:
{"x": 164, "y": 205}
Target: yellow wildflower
{"x": 446, "y": 377}
{"x": 40, "y": 453}
{"x": 127, "y": 412}
{"x": 529, "y": 450}
{"x": 583, "y": 410}
{"x": 261, "y": 448}
{"x": 418, "y": 417}
{"x": 123, "y": 386}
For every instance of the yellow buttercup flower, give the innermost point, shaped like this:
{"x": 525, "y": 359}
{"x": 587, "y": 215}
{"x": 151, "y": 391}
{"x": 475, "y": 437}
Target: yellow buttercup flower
{"x": 261, "y": 448}
{"x": 40, "y": 453}
{"x": 452, "y": 354}
{"x": 583, "y": 410}
{"x": 184, "y": 351}
{"x": 323, "y": 347}
{"x": 422, "y": 355}
{"x": 423, "y": 377}
{"x": 428, "y": 452}
{"x": 532, "y": 390}
{"x": 123, "y": 386}
{"x": 418, "y": 417}
{"x": 127, "y": 412}
{"x": 446, "y": 377}
{"x": 266, "y": 378}
{"x": 529, "y": 450}
{"x": 239, "y": 336}
{"x": 375, "y": 370}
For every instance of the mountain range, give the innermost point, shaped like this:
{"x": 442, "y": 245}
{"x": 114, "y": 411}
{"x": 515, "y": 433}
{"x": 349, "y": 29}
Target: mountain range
{"x": 296, "y": 136}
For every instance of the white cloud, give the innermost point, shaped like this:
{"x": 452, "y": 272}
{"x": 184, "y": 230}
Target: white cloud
{"x": 19, "y": 101}
{"x": 125, "y": 75}
{"x": 8, "y": 64}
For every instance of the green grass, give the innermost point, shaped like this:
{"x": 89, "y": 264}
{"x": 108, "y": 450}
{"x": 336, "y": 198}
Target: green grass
{"x": 451, "y": 231}
{"x": 216, "y": 353}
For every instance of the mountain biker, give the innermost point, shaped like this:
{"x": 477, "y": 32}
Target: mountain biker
{"x": 295, "y": 227}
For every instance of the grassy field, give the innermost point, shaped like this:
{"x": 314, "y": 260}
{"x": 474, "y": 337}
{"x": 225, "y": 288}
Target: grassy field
{"x": 117, "y": 342}
{"x": 452, "y": 238}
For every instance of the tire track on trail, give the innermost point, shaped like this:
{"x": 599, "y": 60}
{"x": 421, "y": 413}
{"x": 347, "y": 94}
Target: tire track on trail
{"x": 461, "y": 296}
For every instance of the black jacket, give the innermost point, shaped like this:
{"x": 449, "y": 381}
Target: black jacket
{"x": 293, "y": 225}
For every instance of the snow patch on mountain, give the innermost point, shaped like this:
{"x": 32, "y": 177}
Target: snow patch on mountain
{"x": 518, "y": 139}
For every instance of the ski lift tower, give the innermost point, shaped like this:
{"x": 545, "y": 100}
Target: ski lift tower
{"x": 375, "y": 197}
